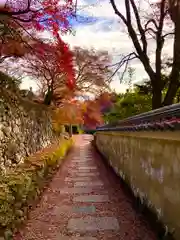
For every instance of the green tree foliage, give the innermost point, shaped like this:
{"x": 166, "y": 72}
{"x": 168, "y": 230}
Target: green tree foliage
{"x": 136, "y": 101}
{"x": 153, "y": 21}
{"x": 127, "y": 105}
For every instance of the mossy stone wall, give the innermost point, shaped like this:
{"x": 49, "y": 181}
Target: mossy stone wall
{"x": 25, "y": 128}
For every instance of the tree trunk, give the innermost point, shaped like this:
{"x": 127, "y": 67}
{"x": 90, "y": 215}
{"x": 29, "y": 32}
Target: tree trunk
{"x": 48, "y": 96}
{"x": 70, "y": 130}
{"x": 175, "y": 72}
{"x": 172, "y": 90}
{"x": 178, "y": 98}
{"x": 156, "y": 96}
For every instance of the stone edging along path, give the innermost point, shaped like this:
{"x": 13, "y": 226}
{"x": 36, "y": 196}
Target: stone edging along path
{"x": 84, "y": 202}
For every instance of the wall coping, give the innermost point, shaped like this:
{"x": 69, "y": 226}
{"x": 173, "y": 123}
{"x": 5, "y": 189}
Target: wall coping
{"x": 166, "y": 136}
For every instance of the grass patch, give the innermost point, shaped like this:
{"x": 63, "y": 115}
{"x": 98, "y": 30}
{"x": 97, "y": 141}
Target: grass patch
{"x": 20, "y": 186}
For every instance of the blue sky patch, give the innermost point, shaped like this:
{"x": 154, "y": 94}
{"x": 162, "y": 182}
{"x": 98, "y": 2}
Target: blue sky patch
{"x": 82, "y": 20}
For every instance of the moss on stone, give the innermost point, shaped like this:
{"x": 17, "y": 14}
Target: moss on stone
{"x": 20, "y": 186}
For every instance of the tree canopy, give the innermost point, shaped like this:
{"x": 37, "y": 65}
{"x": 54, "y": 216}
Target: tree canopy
{"x": 64, "y": 73}
{"x": 127, "y": 105}
{"x": 154, "y": 26}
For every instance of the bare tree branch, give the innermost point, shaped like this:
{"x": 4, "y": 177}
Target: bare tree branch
{"x": 141, "y": 30}
{"x": 154, "y": 27}
{"x": 153, "y": 21}
{"x": 117, "y": 12}
{"x": 124, "y": 61}
{"x": 168, "y": 34}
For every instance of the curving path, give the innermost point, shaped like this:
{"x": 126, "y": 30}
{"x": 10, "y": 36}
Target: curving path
{"x": 85, "y": 201}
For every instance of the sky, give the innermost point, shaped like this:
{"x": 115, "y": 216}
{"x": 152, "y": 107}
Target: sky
{"x": 98, "y": 27}
{"x": 2, "y": 3}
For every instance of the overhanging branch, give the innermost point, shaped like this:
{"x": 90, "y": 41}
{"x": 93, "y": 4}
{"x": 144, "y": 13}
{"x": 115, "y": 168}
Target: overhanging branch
{"x": 124, "y": 61}
{"x": 140, "y": 28}
{"x": 168, "y": 34}
{"x": 153, "y": 21}
{"x": 117, "y": 12}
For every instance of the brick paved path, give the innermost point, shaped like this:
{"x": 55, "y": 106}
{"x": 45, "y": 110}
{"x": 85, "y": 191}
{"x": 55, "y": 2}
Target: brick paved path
{"x": 85, "y": 202}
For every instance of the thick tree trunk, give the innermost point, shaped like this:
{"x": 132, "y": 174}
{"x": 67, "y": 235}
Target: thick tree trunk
{"x": 48, "y": 96}
{"x": 172, "y": 90}
{"x": 140, "y": 44}
{"x": 156, "y": 97}
{"x": 174, "y": 81}
{"x": 178, "y": 98}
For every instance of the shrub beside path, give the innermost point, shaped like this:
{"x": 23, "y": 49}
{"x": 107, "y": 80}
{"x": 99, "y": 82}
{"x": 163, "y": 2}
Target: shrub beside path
{"x": 84, "y": 201}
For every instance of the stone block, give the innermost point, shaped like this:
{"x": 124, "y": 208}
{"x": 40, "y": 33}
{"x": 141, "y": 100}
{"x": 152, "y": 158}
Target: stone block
{"x": 91, "y": 198}
{"x": 90, "y": 223}
{"x": 88, "y": 184}
{"x": 75, "y": 190}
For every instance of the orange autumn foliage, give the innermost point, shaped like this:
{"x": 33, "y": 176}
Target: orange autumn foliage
{"x": 68, "y": 113}
{"x": 88, "y": 113}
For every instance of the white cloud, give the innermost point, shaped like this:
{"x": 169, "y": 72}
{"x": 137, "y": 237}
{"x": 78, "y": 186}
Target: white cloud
{"x": 103, "y": 9}
{"x": 101, "y": 35}
{"x": 27, "y": 83}
{"x": 93, "y": 36}
{"x": 99, "y": 8}
{"x": 2, "y": 3}
{"x": 108, "y": 34}
{"x": 117, "y": 87}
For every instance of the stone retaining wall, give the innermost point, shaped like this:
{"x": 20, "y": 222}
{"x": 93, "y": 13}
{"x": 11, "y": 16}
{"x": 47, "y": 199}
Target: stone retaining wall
{"x": 25, "y": 127}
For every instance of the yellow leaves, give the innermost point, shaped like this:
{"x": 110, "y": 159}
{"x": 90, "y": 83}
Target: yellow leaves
{"x": 76, "y": 112}
{"x": 84, "y": 107}
{"x": 104, "y": 97}
{"x": 69, "y": 113}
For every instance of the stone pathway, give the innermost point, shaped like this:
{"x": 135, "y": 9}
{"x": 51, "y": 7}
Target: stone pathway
{"x": 85, "y": 201}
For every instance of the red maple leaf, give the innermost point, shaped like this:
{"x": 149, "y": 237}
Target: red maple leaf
{"x": 51, "y": 15}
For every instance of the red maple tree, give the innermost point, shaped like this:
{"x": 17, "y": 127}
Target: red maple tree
{"x": 41, "y": 15}
{"x": 52, "y": 67}
{"x": 32, "y": 16}
{"x": 93, "y": 110}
